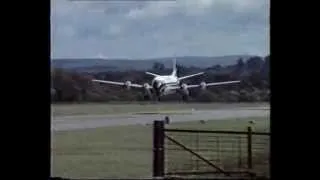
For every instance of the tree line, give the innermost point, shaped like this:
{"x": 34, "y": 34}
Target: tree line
{"x": 69, "y": 86}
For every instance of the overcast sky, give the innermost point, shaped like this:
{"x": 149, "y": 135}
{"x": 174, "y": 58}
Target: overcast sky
{"x": 148, "y": 29}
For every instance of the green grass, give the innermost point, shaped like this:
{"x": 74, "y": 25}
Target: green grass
{"x": 103, "y": 152}
{"x": 83, "y": 109}
{"x": 122, "y": 151}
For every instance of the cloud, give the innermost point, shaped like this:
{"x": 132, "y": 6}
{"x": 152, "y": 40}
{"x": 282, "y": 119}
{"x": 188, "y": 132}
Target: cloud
{"x": 153, "y": 9}
{"x": 192, "y": 7}
{"x": 114, "y": 29}
{"x": 145, "y": 29}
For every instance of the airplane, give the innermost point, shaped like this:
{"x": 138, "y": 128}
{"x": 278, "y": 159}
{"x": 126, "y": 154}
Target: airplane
{"x": 162, "y": 85}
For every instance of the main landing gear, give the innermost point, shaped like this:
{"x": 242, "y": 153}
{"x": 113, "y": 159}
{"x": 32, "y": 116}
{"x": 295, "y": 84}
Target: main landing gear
{"x": 185, "y": 98}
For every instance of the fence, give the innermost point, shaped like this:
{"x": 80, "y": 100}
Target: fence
{"x": 210, "y": 154}
{"x": 185, "y": 153}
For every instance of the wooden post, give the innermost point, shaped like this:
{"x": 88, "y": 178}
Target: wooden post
{"x": 249, "y": 148}
{"x": 158, "y": 149}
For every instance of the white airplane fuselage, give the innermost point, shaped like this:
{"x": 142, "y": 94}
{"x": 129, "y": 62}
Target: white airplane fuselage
{"x": 162, "y": 84}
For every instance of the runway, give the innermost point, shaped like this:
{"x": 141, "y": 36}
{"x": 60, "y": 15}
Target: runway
{"x": 68, "y": 123}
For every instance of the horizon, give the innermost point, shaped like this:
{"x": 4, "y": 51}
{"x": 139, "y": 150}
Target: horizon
{"x": 152, "y": 30}
{"x": 157, "y": 58}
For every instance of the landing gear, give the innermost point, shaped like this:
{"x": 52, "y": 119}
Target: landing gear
{"x": 185, "y": 98}
{"x": 157, "y": 95}
{"x": 147, "y": 97}
{"x": 184, "y": 95}
{"x": 153, "y": 96}
{"x": 155, "y": 99}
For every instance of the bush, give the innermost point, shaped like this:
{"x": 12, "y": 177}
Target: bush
{"x": 72, "y": 87}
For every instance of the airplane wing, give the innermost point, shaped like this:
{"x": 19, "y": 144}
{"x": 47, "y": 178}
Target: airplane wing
{"x": 189, "y": 76}
{"x": 152, "y": 74}
{"x": 118, "y": 83}
{"x": 206, "y": 85}
{"x": 213, "y": 84}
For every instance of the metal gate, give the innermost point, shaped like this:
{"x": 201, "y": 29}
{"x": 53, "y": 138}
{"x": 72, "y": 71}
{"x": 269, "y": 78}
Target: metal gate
{"x": 209, "y": 154}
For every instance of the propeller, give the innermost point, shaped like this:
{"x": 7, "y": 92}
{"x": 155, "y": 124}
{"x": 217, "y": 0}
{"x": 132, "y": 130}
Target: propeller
{"x": 203, "y": 85}
{"x": 127, "y": 84}
{"x": 147, "y": 90}
{"x": 184, "y": 88}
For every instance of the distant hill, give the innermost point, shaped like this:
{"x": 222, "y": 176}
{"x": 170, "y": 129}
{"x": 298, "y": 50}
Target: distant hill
{"x": 100, "y": 65}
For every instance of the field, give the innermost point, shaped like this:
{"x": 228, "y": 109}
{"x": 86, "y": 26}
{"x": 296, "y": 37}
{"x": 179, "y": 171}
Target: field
{"x": 121, "y": 151}
{"x": 117, "y": 108}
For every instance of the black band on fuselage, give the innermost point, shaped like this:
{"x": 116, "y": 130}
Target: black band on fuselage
{"x": 161, "y": 88}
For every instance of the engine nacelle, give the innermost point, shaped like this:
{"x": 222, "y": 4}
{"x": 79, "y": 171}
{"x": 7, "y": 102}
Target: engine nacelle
{"x": 127, "y": 85}
{"x": 147, "y": 91}
{"x": 203, "y": 85}
{"x": 146, "y": 86}
{"x": 184, "y": 86}
{"x": 184, "y": 89}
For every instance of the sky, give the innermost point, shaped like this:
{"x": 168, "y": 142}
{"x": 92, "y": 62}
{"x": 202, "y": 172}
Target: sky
{"x": 158, "y": 28}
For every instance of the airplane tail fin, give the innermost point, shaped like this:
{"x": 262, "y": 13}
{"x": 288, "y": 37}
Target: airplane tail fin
{"x": 174, "y": 67}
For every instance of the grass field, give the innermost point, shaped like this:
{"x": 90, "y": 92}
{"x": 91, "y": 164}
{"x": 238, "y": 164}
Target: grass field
{"x": 83, "y": 109}
{"x": 120, "y": 152}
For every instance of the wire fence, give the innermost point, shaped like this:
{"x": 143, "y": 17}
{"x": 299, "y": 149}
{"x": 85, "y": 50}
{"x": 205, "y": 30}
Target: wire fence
{"x": 176, "y": 153}
{"x": 228, "y": 152}
{"x": 214, "y": 153}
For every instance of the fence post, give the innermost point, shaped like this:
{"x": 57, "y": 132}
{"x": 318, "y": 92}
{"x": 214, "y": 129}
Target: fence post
{"x": 158, "y": 148}
{"x": 249, "y": 148}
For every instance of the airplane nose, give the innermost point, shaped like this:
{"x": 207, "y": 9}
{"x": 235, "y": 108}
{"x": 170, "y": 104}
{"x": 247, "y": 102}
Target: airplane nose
{"x": 157, "y": 84}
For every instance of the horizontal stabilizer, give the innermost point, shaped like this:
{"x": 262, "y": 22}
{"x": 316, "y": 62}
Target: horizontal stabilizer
{"x": 152, "y": 74}
{"x": 189, "y": 76}
{"x": 221, "y": 83}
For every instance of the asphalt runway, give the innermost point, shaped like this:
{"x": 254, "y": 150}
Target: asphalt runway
{"x": 67, "y": 123}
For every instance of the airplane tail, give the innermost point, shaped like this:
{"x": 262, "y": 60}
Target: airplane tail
{"x": 174, "y": 67}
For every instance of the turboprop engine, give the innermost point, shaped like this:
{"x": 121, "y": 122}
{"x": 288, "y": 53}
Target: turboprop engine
{"x": 184, "y": 91}
{"x": 147, "y": 90}
{"x": 203, "y": 86}
{"x": 184, "y": 88}
{"x": 127, "y": 85}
